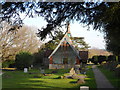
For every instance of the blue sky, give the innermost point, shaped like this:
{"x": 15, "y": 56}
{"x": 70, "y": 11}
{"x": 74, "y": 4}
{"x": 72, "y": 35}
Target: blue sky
{"x": 94, "y": 38}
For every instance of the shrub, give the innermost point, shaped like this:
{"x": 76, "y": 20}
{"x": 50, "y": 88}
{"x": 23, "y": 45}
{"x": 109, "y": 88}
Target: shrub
{"x": 23, "y": 60}
{"x": 89, "y": 60}
{"x": 101, "y": 59}
{"x": 38, "y": 58}
{"x": 95, "y": 59}
{"x": 7, "y": 63}
{"x": 12, "y": 65}
{"x": 111, "y": 58}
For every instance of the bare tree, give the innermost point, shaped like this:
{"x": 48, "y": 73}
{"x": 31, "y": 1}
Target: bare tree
{"x": 15, "y": 41}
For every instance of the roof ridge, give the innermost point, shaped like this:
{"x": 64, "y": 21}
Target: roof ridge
{"x": 68, "y": 39}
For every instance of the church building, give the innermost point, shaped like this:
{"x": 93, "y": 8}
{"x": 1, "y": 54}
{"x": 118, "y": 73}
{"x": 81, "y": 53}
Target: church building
{"x": 64, "y": 55}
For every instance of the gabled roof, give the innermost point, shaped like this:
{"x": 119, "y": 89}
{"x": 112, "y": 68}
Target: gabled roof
{"x": 68, "y": 40}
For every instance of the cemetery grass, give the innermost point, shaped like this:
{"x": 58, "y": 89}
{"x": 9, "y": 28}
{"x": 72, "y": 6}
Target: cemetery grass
{"x": 110, "y": 75}
{"x": 33, "y": 79}
{"x": 90, "y": 80}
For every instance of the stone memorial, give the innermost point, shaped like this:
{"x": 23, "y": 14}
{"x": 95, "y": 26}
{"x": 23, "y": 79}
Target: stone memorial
{"x": 77, "y": 71}
{"x": 31, "y": 66}
{"x": 42, "y": 71}
{"x": 25, "y": 70}
{"x": 72, "y": 71}
{"x": 40, "y": 68}
{"x": 84, "y": 88}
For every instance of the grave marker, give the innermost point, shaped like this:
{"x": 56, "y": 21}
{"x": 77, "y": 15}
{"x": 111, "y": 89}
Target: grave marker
{"x": 72, "y": 71}
{"x": 42, "y": 71}
{"x": 25, "y": 70}
{"x": 84, "y": 88}
{"x": 31, "y": 66}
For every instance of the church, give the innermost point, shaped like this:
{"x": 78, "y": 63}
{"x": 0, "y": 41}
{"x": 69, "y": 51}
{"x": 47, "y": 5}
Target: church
{"x": 65, "y": 54}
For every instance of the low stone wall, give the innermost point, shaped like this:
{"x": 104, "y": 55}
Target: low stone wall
{"x": 62, "y": 66}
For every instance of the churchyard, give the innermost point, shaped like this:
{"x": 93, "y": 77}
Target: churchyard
{"x": 51, "y": 79}
{"x": 60, "y": 78}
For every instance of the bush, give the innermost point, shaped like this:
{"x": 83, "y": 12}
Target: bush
{"x": 101, "y": 59}
{"x": 111, "y": 58}
{"x": 12, "y": 65}
{"x": 38, "y": 58}
{"x": 7, "y": 63}
{"x": 23, "y": 60}
{"x": 95, "y": 59}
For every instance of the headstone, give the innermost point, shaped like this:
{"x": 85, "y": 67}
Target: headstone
{"x": 40, "y": 68}
{"x": 78, "y": 71}
{"x": 83, "y": 71}
{"x": 42, "y": 71}
{"x": 25, "y": 70}
{"x": 31, "y": 66}
{"x": 84, "y": 88}
{"x": 72, "y": 71}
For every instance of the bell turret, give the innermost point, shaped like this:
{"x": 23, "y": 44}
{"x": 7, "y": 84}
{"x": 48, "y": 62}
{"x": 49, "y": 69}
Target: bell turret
{"x": 68, "y": 29}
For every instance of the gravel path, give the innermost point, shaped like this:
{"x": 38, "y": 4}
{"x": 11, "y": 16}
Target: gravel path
{"x": 101, "y": 80}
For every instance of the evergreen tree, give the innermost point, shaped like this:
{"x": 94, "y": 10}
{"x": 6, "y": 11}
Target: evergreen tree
{"x": 79, "y": 43}
{"x": 104, "y": 16}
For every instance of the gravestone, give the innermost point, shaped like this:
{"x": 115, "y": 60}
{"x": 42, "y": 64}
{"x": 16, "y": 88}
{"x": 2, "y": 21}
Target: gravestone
{"x": 25, "y": 70}
{"x": 77, "y": 70}
{"x": 40, "y": 68}
{"x": 31, "y": 66}
{"x": 42, "y": 71}
{"x": 83, "y": 68}
{"x": 72, "y": 71}
{"x": 84, "y": 88}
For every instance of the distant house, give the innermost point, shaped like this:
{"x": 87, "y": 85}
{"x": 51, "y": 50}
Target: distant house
{"x": 64, "y": 55}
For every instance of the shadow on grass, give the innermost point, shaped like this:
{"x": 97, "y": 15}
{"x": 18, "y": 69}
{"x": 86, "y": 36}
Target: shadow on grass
{"x": 57, "y": 77}
{"x": 33, "y": 80}
{"x": 74, "y": 82}
{"x": 36, "y": 81}
{"x": 45, "y": 87}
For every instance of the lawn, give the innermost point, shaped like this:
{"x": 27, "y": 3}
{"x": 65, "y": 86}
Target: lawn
{"x": 110, "y": 75}
{"x": 90, "y": 80}
{"x": 33, "y": 79}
